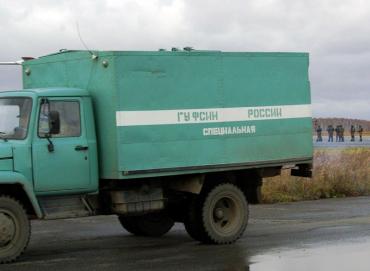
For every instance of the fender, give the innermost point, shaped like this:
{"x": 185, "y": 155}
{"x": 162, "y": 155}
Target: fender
{"x": 10, "y": 177}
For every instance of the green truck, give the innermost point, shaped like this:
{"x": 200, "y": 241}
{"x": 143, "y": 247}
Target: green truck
{"x": 152, "y": 137}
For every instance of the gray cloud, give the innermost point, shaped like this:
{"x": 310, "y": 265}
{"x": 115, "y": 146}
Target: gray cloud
{"x": 336, "y": 33}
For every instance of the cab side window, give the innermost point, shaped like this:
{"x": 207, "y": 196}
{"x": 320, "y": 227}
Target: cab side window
{"x": 70, "y": 118}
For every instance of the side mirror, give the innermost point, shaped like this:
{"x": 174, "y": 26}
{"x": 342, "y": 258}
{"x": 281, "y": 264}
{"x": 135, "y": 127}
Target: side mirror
{"x": 54, "y": 123}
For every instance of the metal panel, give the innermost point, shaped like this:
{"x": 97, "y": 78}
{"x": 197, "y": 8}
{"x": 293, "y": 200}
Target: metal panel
{"x": 197, "y": 111}
{"x": 189, "y": 110}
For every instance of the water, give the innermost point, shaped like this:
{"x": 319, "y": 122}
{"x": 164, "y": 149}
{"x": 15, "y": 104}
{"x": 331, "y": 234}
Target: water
{"x": 347, "y": 143}
{"x": 338, "y": 257}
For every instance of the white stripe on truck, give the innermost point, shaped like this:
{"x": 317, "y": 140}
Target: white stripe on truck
{"x": 211, "y": 115}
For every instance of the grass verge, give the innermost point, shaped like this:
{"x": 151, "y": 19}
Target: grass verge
{"x": 336, "y": 173}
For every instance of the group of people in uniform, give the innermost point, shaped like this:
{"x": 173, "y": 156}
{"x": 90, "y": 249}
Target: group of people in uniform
{"x": 339, "y": 133}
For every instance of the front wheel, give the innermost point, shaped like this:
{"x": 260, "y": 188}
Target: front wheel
{"x": 15, "y": 229}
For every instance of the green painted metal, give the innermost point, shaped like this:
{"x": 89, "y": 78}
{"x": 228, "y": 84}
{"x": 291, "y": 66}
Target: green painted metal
{"x": 28, "y": 163}
{"x": 64, "y": 170}
{"x": 11, "y": 177}
{"x": 5, "y": 151}
{"x": 6, "y": 164}
{"x": 47, "y": 92}
{"x": 155, "y": 81}
{"x": 15, "y": 160}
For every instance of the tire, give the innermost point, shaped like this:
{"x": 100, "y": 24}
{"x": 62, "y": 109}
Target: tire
{"x": 220, "y": 216}
{"x": 155, "y": 225}
{"x": 151, "y": 225}
{"x": 15, "y": 229}
{"x": 130, "y": 225}
{"x": 192, "y": 220}
{"x": 254, "y": 194}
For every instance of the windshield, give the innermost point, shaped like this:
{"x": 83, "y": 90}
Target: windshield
{"x": 14, "y": 117}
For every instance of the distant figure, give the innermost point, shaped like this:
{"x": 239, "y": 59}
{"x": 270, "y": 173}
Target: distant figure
{"x": 319, "y": 131}
{"x": 330, "y": 131}
{"x": 341, "y": 133}
{"x": 337, "y": 132}
{"x": 353, "y": 130}
{"x": 360, "y": 130}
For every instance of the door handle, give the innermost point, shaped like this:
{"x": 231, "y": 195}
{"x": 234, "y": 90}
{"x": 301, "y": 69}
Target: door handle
{"x": 81, "y": 148}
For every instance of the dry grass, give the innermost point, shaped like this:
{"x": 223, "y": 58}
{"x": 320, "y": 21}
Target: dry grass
{"x": 337, "y": 173}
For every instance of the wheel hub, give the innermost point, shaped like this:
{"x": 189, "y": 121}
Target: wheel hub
{"x": 7, "y": 229}
{"x": 225, "y": 215}
{"x": 219, "y": 213}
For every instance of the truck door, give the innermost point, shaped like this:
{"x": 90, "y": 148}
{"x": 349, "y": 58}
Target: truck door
{"x": 66, "y": 167}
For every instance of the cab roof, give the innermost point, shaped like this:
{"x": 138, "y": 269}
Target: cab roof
{"x": 47, "y": 92}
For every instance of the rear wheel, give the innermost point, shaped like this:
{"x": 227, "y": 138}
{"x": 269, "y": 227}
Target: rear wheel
{"x": 130, "y": 225}
{"x": 220, "y": 216}
{"x": 254, "y": 194}
{"x": 152, "y": 225}
{"x": 193, "y": 220}
{"x": 15, "y": 229}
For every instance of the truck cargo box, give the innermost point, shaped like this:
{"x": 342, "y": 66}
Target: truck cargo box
{"x": 165, "y": 113}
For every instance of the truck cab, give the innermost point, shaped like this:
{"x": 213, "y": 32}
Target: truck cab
{"x": 47, "y": 148}
{"x": 39, "y": 144}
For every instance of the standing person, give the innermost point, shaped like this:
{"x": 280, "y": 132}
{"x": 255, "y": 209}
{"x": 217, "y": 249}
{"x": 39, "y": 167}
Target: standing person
{"x": 330, "y": 133}
{"x": 360, "y": 130}
{"x": 353, "y": 130}
{"x": 337, "y": 132}
{"x": 318, "y": 131}
{"x": 341, "y": 133}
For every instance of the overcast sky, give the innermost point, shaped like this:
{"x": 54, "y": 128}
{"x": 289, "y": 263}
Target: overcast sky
{"x": 335, "y": 33}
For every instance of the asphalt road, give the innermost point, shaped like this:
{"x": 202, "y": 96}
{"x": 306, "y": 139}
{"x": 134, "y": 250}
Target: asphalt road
{"x": 314, "y": 235}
